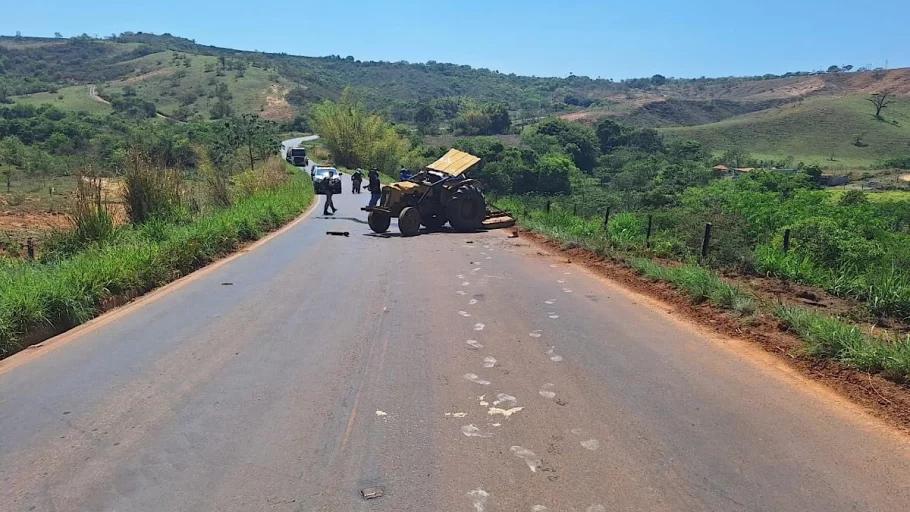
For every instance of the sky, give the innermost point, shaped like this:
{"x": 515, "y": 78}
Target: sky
{"x": 607, "y": 38}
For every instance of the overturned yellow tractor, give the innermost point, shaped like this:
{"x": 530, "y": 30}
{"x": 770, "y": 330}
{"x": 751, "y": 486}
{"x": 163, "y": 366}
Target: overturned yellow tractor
{"x": 437, "y": 195}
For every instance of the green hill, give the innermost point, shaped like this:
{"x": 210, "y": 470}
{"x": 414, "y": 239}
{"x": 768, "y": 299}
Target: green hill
{"x": 813, "y": 131}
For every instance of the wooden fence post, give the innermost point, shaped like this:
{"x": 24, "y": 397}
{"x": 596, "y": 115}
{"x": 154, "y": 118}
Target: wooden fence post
{"x": 30, "y": 248}
{"x": 786, "y": 241}
{"x": 648, "y": 235}
{"x": 548, "y": 206}
{"x": 607, "y": 218}
{"x": 706, "y": 242}
{"x": 575, "y": 209}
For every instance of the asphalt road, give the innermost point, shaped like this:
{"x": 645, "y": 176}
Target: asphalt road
{"x": 454, "y": 372}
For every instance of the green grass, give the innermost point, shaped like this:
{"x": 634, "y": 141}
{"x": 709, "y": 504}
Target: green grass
{"x": 834, "y": 338}
{"x": 74, "y": 98}
{"x": 700, "y": 284}
{"x": 71, "y": 291}
{"x": 812, "y": 131}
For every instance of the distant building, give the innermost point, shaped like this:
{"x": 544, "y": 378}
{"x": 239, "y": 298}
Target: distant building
{"x": 721, "y": 168}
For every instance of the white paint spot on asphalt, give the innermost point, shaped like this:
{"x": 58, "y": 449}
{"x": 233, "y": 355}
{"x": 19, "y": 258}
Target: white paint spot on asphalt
{"x": 475, "y": 269}
{"x": 553, "y": 266}
{"x": 560, "y": 281}
{"x": 479, "y": 326}
{"x": 464, "y": 314}
{"x": 550, "y": 302}
{"x": 473, "y": 431}
{"x": 591, "y": 444}
{"x": 465, "y": 283}
{"x": 535, "y": 333}
{"x": 528, "y": 456}
{"x": 457, "y": 414}
{"x": 497, "y": 424}
{"x": 505, "y": 412}
{"x": 553, "y": 315}
{"x": 489, "y": 362}
{"x": 488, "y": 258}
{"x": 503, "y": 398}
{"x": 567, "y": 290}
{"x": 576, "y": 431}
{"x": 547, "y": 394}
{"x": 479, "y": 497}
{"x": 539, "y": 508}
{"x": 486, "y": 247}
{"x": 553, "y": 355}
{"x": 381, "y": 413}
{"x": 596, "y": 508}
{"x": 567, "y": 273}
{"x": 472, "y": 302}
{"x": 474, "y": 344}
{"x": 476, "y": 380}
{"x": 461, "y": 292}
{"x": 460, "y": 276}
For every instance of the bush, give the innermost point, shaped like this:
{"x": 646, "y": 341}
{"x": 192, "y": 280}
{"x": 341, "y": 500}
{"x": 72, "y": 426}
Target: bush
{"x": 150, "y": 192}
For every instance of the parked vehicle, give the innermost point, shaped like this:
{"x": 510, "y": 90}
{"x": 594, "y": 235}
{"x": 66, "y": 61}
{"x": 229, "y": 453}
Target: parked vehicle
{"x": 325, "y": 177}
{"x": 297, "y": 157}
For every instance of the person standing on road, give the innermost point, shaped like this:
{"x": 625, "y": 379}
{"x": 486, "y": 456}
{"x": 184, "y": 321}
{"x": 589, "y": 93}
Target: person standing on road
{"x": 356, "y": 180}
{"x": 374, "y": 187}
{"x": 328, "y": 197}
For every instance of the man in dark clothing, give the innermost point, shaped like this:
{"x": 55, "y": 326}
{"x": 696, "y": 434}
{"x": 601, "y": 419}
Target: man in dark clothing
{"x": 356, "y": 180}
{"x": 328, "y": 199}
{"x": 375, "y": 187}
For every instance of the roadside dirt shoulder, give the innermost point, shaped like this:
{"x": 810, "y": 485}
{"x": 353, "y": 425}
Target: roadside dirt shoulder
{"x": 880, "y": 397}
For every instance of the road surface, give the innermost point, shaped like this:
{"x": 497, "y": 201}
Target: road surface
{"x": 453, "y": 372}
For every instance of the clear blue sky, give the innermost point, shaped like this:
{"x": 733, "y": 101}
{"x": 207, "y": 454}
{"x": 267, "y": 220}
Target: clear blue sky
{"x": 607, "y": 38}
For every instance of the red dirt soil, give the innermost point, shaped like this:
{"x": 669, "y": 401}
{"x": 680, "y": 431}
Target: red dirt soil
{"x": 880, "y": 397}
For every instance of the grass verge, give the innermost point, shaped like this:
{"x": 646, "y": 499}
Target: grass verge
{"x": 69, "y": 292}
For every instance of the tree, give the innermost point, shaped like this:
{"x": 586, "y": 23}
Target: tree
{"x": 255, "y": 135}
{"x": 58, "y": 35}
{"x": 500, "y": 122}
{"x": 658, "y": 80}
{"x": 425, "y": 119}
{"x": 848, "y": 67}
{"x": 880, "y": 100}
{"x": 221, "y": 109}
{"x": 609, "y": 134}
{"x": 575, "y": 138}
{"x": 833, "y": 68}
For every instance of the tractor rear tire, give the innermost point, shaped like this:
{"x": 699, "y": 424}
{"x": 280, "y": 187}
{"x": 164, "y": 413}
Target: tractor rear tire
{"x": 409, "y": 221}
{"x": 467, "y": 208}
{"x": 379, "y": 222}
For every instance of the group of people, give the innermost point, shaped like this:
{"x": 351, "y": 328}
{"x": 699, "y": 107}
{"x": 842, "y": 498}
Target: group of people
{"x": 374, "y": 186}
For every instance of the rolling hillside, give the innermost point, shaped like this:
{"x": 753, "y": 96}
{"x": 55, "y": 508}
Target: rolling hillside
{"x": 812, "y": 117}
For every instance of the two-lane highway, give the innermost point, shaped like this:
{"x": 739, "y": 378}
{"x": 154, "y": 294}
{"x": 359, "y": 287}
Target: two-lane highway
{"x": 452, "y": 371}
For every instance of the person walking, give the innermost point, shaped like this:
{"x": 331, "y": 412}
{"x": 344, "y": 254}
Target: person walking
{"x": 328, "y": 199}
{"x": 374, "y": 187}
{"x": 356, "y": 180}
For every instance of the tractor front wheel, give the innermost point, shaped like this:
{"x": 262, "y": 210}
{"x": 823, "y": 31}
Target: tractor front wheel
{"x": 409, "y": 221}
{"x": 379, "y": 222}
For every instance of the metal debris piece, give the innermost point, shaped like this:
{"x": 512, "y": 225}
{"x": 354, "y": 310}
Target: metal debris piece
{"x": 338, "y": 233}
{"x": 227, "y": 284}
{"x": 371, "y": 492}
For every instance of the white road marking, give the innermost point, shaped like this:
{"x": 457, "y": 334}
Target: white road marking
{"x": 503, "y": 398}
{"x": 489, "y": 362}
{"x": 461, "y": 292}
{"x": 464, "y": 314}
{"x": 553, "y": 355}
{"x": 549, "y": 302}
{"x": 488, "y": 258}
{"x": 456, "y": 414}
{"x": 479, "y": 497}
{"x": 476, "y": 380}
{"x": 553, "y": 315}
{"x": 497, "y": 424}
{"x": 476, "y": 269}
{"x": 479, "y": 326}
{"x": 539, "y": 508}
{"x": 381, "y": 413}
{"x": 473, "y": 343}
{"x": 560, "y": 281}
{"x": 528, "y": 456}
{"x": 591, "y": 444}
{"x": 553, "y": 266}
{"x": 472, "y": 431}
{"x": 505, "y": 412}
{"x": 472, "y": 302}
{"x": 460, "y": 276}
{"x": 535, "y": 333}
{"x": 465, "y": 283}
{"x": 567, "y": 290}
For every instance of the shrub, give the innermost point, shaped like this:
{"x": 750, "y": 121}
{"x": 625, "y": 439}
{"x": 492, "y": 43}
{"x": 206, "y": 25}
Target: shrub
{"x": 92, "y": 222}
{"x": 149, "y": 191}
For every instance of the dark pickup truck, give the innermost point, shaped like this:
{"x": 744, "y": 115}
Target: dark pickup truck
{"x": 297, "y": 157}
